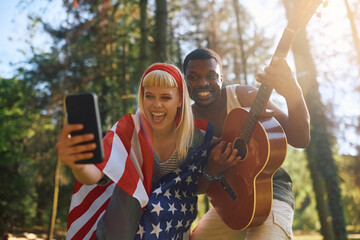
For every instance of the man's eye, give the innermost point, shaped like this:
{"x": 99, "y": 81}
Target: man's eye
{"x": 149, "y": 96}
{"x": 192, "y": 78}
{"x": 212, "y": 76}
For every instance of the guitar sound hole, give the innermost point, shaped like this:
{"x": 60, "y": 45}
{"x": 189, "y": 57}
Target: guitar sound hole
{"x": 240, "y": 145}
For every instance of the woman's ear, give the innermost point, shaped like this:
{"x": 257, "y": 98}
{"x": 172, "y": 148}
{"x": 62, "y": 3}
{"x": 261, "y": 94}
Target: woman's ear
{"x": 179, "y": 102}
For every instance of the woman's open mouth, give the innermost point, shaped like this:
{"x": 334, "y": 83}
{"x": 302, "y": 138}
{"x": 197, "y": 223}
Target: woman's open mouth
{"x": 158, "y": 116}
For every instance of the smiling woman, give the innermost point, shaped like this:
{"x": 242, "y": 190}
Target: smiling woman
{"x": 162, "y": 91}
{"x": 152, "y": 163}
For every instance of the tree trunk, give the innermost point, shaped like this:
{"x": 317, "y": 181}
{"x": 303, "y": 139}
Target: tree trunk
{"x": 307, "y": 78}
{"x": 57, "y": 182}
{"x": 354, "y": 33}
{"x": 144, "y": 34}
{"x": 241, "y": 43}
{"x": 319, "y": 152}
{"x": 125, "y": 77}
{"x": 160, "y": 37}
{"x": 319, "y": 149}
{"x": 55, "y": 201}
{"x": 213, "y": 29}
{"x": 321, "y": 202}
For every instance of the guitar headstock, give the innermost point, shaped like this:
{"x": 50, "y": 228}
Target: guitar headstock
{"x": 302, "y": 13}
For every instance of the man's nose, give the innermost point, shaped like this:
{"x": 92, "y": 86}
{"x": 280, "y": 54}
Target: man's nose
{"x": 204, "y": 81}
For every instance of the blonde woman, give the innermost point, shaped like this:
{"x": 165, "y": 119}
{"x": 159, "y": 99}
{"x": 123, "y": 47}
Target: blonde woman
{"x": 146, "y": 186}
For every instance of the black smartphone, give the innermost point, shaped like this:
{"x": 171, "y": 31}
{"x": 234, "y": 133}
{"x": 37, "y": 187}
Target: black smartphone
{"x": 83, "y": 108}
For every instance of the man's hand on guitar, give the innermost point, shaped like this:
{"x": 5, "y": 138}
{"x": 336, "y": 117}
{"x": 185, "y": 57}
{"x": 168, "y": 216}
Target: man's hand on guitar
{"x": 280, "y": 77}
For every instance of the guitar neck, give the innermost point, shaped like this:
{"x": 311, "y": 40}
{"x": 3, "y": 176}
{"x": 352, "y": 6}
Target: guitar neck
{"x": 264, "y": 92}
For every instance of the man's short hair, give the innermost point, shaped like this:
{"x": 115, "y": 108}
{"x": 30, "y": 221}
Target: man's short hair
{"x": 203, "y": 54}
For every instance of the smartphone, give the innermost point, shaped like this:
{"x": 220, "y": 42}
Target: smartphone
{"x": 83, "y": 108}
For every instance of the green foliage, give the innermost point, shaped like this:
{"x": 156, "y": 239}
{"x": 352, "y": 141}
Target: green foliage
{"x": 350, "y": 190}
{"x": 306, "y": 217}
{"x": 16, "y": 169}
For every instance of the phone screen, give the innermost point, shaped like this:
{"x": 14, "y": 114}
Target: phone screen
{"x": 83, "y": 108}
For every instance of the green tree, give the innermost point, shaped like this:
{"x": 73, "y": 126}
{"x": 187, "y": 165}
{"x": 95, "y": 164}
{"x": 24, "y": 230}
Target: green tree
{"x": 220, "y": 25}
{"x": 305, "y": 203}
{"x": 321, "y": 162}
{"x": 160, "y": 31}
{"x": 17, "y": 170}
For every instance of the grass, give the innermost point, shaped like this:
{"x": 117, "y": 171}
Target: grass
{"x": 301, "y": 235}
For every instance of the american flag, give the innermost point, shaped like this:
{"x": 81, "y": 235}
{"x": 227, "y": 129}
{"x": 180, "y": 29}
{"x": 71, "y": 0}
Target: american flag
{"x": 128, "y": 162}
{"x": 172, "y": 205}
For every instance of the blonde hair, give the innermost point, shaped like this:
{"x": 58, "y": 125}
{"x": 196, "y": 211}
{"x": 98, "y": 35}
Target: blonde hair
{"x": 185, "y": 127}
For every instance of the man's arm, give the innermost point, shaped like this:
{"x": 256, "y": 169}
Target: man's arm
{"x": 296, "y": 123}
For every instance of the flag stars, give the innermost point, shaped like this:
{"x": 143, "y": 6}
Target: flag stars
{"x": 168, "y": 226}
{"x": 156, "y": 230}
{"x": 157, "y": 208}
{"x": 191, "y": 208}
{"x": 179, "y": 224}
{"x": 188, "y": 180}
{"x": 177, "y": 195}
{"x": 183, "y": 208}
{"x": 192, "y": 167}
{"x": 177, "y": 171}
{"x": 184, "y": 194}
{"x": 157, "y": 191}
{"x": 204, "y": 153}
{"x": 177, "y": 179}
{"x": 167, "y": 193}
{"x": 141, "y": 231}
{"x": 172, "y": 208}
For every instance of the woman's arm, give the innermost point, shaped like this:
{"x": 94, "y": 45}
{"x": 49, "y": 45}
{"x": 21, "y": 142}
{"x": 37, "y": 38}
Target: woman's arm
{"x": 71, "y": 149}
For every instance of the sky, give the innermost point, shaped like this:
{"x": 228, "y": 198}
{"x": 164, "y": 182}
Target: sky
{"x": 8, "y": 50}
{"x": 14, "y": 23}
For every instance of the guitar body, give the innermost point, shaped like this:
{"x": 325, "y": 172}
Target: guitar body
{"x": 251, "y": 179}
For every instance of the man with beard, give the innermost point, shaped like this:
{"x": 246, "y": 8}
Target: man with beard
{"x": 212, "y": 102}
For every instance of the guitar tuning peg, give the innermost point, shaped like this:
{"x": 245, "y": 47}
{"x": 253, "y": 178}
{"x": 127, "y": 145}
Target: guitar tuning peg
{"x": 325, "y": 3}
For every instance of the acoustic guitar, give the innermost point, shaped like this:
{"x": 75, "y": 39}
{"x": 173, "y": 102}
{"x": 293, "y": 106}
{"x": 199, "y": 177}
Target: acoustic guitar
{"x": 247, "y": 199}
